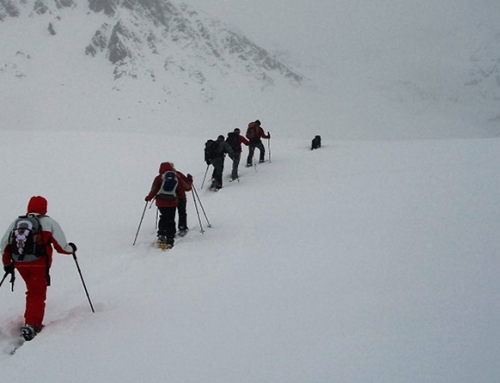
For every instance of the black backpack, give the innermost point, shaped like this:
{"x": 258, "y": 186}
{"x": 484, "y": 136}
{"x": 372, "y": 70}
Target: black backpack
{"x": 233, "y": 139}
{"x": 211, "y": 151}
{"x": 25, "y": 239}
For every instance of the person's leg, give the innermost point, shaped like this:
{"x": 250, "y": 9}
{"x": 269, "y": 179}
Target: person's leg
{"x": 162, "y": 223}
{"x": 236, "y": 163}
{"x": 36, "y": 293}
{"x": 218, "y": 168}
{"x": 262, "y": 152}
{"x": 251, "y": 149}
{"x": 170, "y": 224}
{"x": 181, "y": 209}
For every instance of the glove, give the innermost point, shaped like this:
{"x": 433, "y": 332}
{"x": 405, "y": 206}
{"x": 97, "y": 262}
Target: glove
{"x": 189, "y": 177}
{"x": 73, "y": 246}
{"x": 147, "y": 199}
{"x": 9, "y": 269}
{"x": 268, "y": 135}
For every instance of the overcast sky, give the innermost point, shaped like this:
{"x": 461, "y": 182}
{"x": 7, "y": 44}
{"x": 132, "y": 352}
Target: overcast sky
{"x": 361, "y": 30}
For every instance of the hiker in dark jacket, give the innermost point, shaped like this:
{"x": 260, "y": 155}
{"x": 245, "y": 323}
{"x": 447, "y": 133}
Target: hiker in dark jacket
{"x": 217, "y": 160}
{"x": 235, "y": 139}
{"x": 254, "y": 135}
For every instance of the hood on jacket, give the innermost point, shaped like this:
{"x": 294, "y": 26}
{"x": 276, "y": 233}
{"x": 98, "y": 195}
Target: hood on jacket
{"x": 166, "y": 166}
{"x": 37, "y": 204}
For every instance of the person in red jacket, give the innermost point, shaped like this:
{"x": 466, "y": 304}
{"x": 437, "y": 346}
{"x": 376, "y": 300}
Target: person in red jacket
{"x": 34, "y": 268}
{"x": 167, "y": 202}
{"x": 254, "y": 135}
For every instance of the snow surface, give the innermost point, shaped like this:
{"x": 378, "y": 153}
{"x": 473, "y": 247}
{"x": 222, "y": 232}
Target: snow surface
{"x": 358, "y": 262}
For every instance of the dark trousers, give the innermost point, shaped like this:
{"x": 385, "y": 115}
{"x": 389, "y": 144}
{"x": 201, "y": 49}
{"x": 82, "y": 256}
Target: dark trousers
{"x": 236, "y": 163}
{"x": 166, "y": 225}
{"x": 181, "y": 210}
{"x": 251, "y": 148}
{"x": 218, "y": 164}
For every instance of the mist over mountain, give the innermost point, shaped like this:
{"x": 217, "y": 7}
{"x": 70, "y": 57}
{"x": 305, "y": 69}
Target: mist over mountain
{"x": 152, "y": 63}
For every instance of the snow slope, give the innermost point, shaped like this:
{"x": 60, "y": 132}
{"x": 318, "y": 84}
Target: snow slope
{"x": 358, "y": 262}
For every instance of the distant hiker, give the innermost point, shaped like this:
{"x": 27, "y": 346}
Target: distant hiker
{"x": 165, "y": 190}
{"x": 27, "y": 248}
{"x": 215, "y": 153}
{"x": 235, "y": 139}
{"x": 254, "y": 135}
{"x": 185, "y": 185}
{"x": 316, "y": 143}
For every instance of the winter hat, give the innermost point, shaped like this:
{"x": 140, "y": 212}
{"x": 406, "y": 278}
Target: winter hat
{"x": 37, "y": 205}
{"x": 221, "y": 137}
{"x": 257, "y": 122}
{"x": 237, "y": 130}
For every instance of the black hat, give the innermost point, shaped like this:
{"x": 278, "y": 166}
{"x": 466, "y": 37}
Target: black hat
{"x": 237, "y": 130}
{"x": 221, "y": 137}
{"x": 257, "y": 122}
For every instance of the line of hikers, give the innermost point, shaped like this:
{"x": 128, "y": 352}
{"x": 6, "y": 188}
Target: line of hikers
{"x": 215, "y": 151}
{"x": 29, "y": 241}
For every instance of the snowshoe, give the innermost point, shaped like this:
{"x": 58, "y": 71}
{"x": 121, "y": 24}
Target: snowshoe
{"x": 183, "y": 232}
{"x": 28, "y": 332}
{"x": 162, "y": 242}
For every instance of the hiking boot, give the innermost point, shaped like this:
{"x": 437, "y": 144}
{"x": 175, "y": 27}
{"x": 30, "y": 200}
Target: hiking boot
{"x": 169, "y": 246}
{"x": 261, "y": 161}
{"x": 28, "y": 332}
{"x": 182, "y": 232}
{"x": 249, "y": 165}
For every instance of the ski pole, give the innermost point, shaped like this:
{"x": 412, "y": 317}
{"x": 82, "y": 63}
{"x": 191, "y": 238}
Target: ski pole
{"x": 197, "y": 212}
{"x": 202, "y": 208}
{"x": 269, "y": 146}
{"x": 156, "y": 220}
{"x": 83, "y": 282}
{"x": 140, "y": 223}
{"x": 12, "y": 279}
{"x": 3, "y": 279}
{"x": 206, "y": 171}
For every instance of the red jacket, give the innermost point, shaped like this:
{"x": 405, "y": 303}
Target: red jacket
{"x": 184, "y": 184}
{"x": 258, "y": 132}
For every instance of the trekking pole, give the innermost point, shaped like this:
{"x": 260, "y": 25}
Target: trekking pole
{"x": 3, "y": 279}
{"x": 202, "y": 208}
{"x": 140, "y": 223}
{"x": 269, "y": 146}
{"x": 206, "y": 171}
{"x": 197, "y": 212}
{"x": 12, "y": 279}
{"x": 83, "y": 282}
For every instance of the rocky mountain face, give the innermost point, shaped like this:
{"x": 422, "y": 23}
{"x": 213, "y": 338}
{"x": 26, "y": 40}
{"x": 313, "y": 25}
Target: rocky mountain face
{"x": 485, "y": 73}
{"x": 160, "y": 41}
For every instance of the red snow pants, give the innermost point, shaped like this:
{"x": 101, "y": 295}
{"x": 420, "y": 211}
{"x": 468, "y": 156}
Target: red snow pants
{"x": 34, "y": 275}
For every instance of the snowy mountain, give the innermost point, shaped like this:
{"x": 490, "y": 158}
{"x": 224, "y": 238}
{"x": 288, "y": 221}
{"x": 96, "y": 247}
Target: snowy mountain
{"x": 146, "y": 63}
{"x": 157, "y": 40}
{"x": 485, "y": 72}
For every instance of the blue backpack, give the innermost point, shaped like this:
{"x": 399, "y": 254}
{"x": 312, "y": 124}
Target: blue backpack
{"x": 169, "y": 183}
